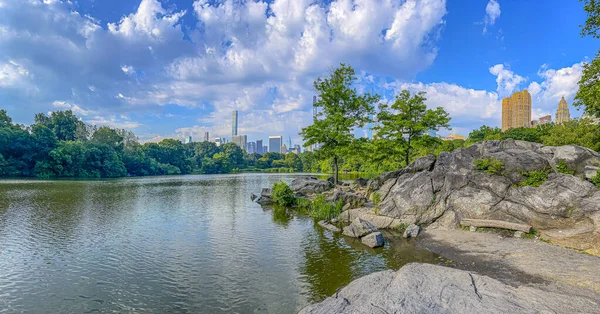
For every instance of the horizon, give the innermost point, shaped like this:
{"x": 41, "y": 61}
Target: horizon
{"x": 181, "y": 67}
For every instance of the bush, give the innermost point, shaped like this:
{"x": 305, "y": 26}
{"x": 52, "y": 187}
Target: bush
{"x": 596, "y": 179}
{"x": 563, "y": 168}
{"x": 321, "y": 209}
{"x": 303, "y": 203}
{"x": 535, "y": 178}
{"x": 489, "y": 165}
{"x": 376, "y": 198}
{"x": 283, "y": 194}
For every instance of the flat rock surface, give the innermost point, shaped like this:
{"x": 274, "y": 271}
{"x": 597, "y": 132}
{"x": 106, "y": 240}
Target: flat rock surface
{"x": 425, "y": 288}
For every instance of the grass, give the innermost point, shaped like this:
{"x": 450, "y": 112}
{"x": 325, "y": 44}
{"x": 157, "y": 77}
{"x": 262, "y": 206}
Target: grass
{"x": 320, "y": 209}
{"x": 402, "y": 226}
{"x": 563, "y": 168}
{"x": 596, "y": 179}
{"x": 376, "y": 198}
{"x": 490, "y": 165}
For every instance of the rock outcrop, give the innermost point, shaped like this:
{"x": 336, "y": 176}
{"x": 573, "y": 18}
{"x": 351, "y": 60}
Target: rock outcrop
{"x": 373, "y": 240}
{"x": 359, "y": 228}
{"x": 442, "y": 191}
{"x": 411, "y": 231}
{"x": 310, "y": 185}
{"x": 424, "y": 288}
{"x": 265, "y": 198}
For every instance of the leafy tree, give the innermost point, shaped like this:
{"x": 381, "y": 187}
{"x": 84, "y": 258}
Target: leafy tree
{"x": 575, "y": 132}
{"x": 485, "y": 133}
{"x": 407, "y": 120}
{"x": 342, "y": 110}
{"x": 588, "y": 95}
{"x": 107, "y": 136}
{"x": 293, "y": 161}
{"x": 5, "y": 120}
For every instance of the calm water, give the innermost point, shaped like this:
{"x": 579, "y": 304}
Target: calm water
{"x": 183, "y": 244}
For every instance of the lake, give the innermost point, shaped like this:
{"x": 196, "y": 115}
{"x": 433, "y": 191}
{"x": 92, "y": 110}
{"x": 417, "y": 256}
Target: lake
{"x": 174, "y": 244}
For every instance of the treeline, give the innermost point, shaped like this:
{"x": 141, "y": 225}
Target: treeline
{"x": 61, "y": 145}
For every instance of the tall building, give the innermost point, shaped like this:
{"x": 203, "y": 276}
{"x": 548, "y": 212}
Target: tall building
{"x": 562, "y": 114}
{"x": 217, "y": 141}
{"x": 241, "y": 141}
{"x": 275, "y": 144}
{"x": 251, "y": 147}
{"x": 516, "y": 111}
{"x": 284, "y": 149}
{"x": 259, "y": 147}
{"x": 188, "y": 140}
{"x": 234, "y": 123}
{"x": 206, "y": 136}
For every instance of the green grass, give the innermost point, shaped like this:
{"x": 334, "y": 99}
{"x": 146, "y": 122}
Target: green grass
{"x": 489, "y": 165}
{"x": 321, "y": 209}
{"x": 402, "y": 226}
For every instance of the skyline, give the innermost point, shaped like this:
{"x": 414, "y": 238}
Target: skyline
{"x": 162, "y": 84}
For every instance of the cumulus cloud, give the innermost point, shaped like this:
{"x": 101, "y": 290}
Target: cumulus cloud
{"x": 506, "y": 79}
{"x": 113, "y": 122}
{"x": 492, "y": 13}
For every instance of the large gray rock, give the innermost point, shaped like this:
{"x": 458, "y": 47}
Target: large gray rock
{"x": 373, "y": 240}
{"x": 412, "y": 231}
{"x": 590, "y": 172}
{"x": 310, "y": 185}
{"x": 266, "y": 197}
{"x": 576, "y": 157}
{"x": 424, "y": 288}
{"x": 355, "y": 200}
{"x": 359, "y": 228}
{"x": 328, "y": 226}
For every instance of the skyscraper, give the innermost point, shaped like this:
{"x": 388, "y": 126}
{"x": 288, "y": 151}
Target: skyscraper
{"x": 206, "y": 136}
{"x": 241, "y": 141}
{"x": 275, "y": 143}
{"x": 251, "y": 147}
{"x": 259, "y": 147}
{"x": 562, "y": 114}
{"x": 234, "y": 123}
{"x": 516, "y": 110}
{"x": 188, "y": 140}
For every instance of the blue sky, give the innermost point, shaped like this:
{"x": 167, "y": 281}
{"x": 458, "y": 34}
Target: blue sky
{"x": 175, "y": 68}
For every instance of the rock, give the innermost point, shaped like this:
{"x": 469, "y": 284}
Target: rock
{"x": 473, "y": 229}
{"x": 518, "y": 234}
{"x": 412, "y": 231}
{"x": 310, "y": 185}
{"x": 359, "y": 228}
{"x": 374, "y": 239}
{"x": 265, "y": 197}
{"x": 328, "y": 226}
{"x": 355, "y": 200}
{"x": 590, "y": 172}
{"x": 576, "y": 157}
{"x": 424, "y": 288}
{"x": 334, "y": 220}
{"x": 359, "y": 183}
{"x": 253, "y": 196}
{"x": 346, "y": 207}
{"x": 331, "y": 180}
{"x": 421, "y": 164}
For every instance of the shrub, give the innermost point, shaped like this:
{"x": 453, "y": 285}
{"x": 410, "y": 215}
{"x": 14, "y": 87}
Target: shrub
{"x": 283, "y": 194}
{"x": 321, "y": 209}
{"x": 489, "y": 165}
{"x": 596, "y": 179}
{"x": 563, "y": 168}
{"x": 303, "y": 203}
{"x": 534, "y": 178}
{"x": 376, "y": 198}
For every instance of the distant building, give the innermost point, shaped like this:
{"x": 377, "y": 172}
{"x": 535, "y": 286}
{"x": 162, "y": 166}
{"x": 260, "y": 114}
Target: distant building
{"x": 453, "y": 137}
{"x": 516, "y": 111}
{"x": 275, "y": 144}
{"x": 217, "y": 141}
{"x": 188, "y": 140}
{"x": 206, "y": 136}
{"x": 259, "y": 147}
{"x": 241, "y": 141}
{"x": 234, "y": 123}
{"x": 562, "y": 114}
{"x": 535, "y": 123}
{"x": 298, "y": 149}
{"x": 284, "y": 149}
{"x": 546, "y": 119}
{"x": 251, "y": 147}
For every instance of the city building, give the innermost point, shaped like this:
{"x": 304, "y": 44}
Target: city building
{"x": 241, "y": 141}
{"x": 188, "y": 140}
{"x": 275, "y": 144}
{"x": 259, "y": 147}
{"x": 546, "y": 119}
{"x": 284, "y": 149}
{"x": 453, "y": 137}
{"x": 516, "y": 110}
{"x": 217, "y": 141}
{"x": 535, "y": 123}
{"x": 298, "y": 149}
{"x": 234, "y": 123}
{"x": 206, "y": 136}
{"x": 562, "y": 114}
{"x": 251, "y": 148}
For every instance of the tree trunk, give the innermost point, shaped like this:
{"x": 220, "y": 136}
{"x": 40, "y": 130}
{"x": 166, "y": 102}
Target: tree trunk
{"x": 335, "y": 169}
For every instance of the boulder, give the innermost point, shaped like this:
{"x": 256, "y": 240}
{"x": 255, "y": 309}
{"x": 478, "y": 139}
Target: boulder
{"x": 359, "y": 228}
{"x": 266, "y": 197}
{"x": 253, "y": 196}
{"x": 373, "y": 240}
{"x": 421, "y": 164}
{"x": 575, "y": 157}
{"x": 328, "y": 226}
{"x": 310, "y": 185}
{"x": 355, "y": 200}
{"x": 425, "y": 288}
{"x": 411, "y": 231}
{"x": 590, "y": 172}
{"x": 359, "y": 183}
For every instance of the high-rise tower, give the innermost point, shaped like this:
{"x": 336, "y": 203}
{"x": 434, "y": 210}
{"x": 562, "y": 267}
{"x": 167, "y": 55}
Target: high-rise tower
{"x": 516, "y": 111}
{"x": 562, "y": 114}
{"x": 234, "y": 123}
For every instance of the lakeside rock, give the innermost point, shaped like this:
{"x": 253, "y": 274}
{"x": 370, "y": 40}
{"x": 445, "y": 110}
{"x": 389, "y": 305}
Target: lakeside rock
{"x": 328, "y": 226}
{"x": 373, "y": 240}
{"x": 442, "y": 191}
{"x": 266, "y": 197}
{"x": 411, "y": 231}
{"x": 310, "y": 185}
{"x": 424, "y": 288}
{"x": 359, "y": 228}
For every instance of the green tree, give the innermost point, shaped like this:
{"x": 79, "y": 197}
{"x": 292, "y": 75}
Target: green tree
{"x": 107, "y": 136}
{"x": 485, "y": 133}
{"x": 293, "y": 161}
{"x": 342, "y": 110}
{"x": 575, "y": 132}
{"x": 406, "y": 121}
{"x": 588, "y": 95}
{"x": 5, "y": 119}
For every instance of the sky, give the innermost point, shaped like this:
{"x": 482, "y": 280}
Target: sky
{"x": 177, "y": 68}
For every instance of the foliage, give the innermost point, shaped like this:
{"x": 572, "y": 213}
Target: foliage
{"x": 563, "y": 168}
{"x": 321, "y": 209}
{"x": 588, "y": 95}
{"x": 376, "y": 198}
{"x": 484, "y": 133}
{"x": 406, "y": 121}
{"x": 534, "y": 178}
{"x": 283, "y": 194}
{"x": 596, "y": 179}
{"x": 340, "y": 110}
{"x": 303, "y": 203}
{"x": 490, "y": 165}
{"x": 574, "y": 132}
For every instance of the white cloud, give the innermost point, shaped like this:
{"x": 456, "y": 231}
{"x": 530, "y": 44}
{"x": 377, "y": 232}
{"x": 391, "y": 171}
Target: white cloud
{"x": 492, "y": 13}
{"x": 12, "y": 74}
{"x": 77, "y": 110}
{"x": 506, "y": 79}
{"x": 113, "y": 122}
{"x": 127, "y": 69}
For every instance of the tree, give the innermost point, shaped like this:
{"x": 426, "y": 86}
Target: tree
{"x": 293, "y": 161}
{"x": 588, "y": 95}
{"x": 484, "y": 133}
{"x": 575, "y": 132}
{"x": 107, "y": 136}
{"x": 342, "y": 110}
{"x": 407, "y": 120}
{"x": 5, "y": 119}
